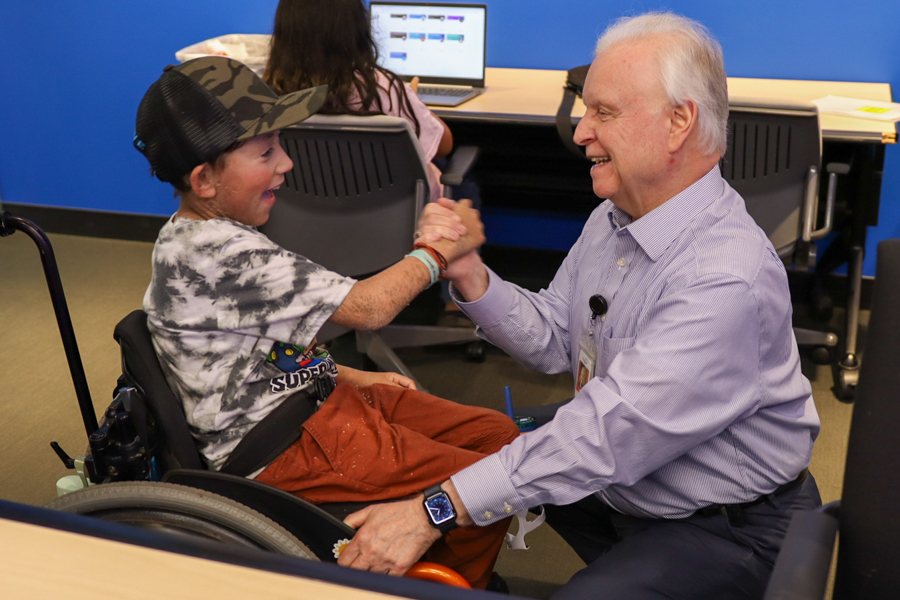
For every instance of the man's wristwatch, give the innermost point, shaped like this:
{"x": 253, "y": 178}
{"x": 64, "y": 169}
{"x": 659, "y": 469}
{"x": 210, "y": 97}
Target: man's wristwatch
{"x": 439, "y": 508}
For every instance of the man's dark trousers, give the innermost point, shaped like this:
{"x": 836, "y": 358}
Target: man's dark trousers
{"x": 698, "y": 558}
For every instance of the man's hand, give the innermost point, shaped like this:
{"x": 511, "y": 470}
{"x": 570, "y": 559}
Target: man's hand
{"x": 391, "y": 537}
{"x": 359, "y": 378}
{"x": 465, "y": 268}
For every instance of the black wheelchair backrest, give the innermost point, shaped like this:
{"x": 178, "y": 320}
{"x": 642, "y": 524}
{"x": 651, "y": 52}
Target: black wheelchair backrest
{"x": 141, "y": 369}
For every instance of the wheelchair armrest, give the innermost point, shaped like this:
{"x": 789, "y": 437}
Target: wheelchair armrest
{"x": 801, "y": 571}
{"x": 461, "y": 162}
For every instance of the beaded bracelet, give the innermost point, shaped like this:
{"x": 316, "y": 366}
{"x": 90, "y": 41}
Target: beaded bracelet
{"x": 441, "y": 261}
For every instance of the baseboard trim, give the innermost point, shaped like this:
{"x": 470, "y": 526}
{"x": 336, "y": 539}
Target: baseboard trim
{"x": 90, "y": 223}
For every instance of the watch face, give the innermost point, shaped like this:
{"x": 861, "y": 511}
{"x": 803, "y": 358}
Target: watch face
{"x": 439, "y": 509}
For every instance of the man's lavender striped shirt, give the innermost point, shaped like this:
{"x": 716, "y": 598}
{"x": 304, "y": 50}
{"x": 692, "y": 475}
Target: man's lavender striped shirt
{"x": 698, "y": 397}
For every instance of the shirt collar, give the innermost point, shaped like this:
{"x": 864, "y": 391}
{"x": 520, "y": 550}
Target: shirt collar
{"x": 655, "y": 231}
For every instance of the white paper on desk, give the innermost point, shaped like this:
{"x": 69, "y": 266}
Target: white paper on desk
{"x": 857, "y": 107}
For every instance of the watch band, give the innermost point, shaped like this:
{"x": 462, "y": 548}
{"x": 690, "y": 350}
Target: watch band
{"x": 435, "y": 494}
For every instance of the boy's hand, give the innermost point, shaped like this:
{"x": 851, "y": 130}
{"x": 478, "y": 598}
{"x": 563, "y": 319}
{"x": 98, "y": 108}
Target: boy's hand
{"x": 439, "y": 222}
{"x": 470, "y": 220}
{"x": 414, "y": 84}
{"x": 359, "y": 378}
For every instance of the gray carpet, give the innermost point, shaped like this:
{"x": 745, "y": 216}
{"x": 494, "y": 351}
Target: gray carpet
{"x": 106, "y": 279}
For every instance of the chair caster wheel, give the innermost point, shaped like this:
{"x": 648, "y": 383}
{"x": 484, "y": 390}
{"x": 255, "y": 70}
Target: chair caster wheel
{"x": 821, "y": 306}
{"x": 846, "y": 384}
{"x": 475, "y": 352}
{"x": 821, "y": 355}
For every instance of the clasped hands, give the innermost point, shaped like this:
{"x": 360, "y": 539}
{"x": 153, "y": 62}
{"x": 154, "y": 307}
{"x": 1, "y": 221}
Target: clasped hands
{"x": 452, "y": 227}
{"x": 457, "y": 228}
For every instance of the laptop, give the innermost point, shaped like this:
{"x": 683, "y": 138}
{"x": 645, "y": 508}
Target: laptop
{"x": 442, "y": 44}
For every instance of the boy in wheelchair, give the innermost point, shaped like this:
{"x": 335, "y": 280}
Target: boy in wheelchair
{"x": 234, "y": 319}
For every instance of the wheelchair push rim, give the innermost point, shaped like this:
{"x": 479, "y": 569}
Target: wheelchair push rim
{"x": 182, "y": 511}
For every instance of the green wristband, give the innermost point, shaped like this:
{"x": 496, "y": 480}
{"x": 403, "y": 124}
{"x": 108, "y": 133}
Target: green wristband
{"x": 429, "y": 262}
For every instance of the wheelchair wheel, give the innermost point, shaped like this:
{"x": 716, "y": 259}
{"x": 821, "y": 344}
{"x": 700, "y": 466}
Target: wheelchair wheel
{"x": 184, "y": 511}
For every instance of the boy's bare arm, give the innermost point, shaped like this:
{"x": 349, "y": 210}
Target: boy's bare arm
{"x": 374, "y": 302}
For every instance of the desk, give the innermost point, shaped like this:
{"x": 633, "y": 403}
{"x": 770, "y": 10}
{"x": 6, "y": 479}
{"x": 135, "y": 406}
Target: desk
{"x": 42, "y": 562}
{"x": 531, "y": 96}
{"x": 537, "y": 194}
{"x": 51, "y": 554}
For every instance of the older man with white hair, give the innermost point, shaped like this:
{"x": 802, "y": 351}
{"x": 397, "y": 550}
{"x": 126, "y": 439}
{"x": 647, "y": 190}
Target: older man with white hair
{"x": 675, "y": 469}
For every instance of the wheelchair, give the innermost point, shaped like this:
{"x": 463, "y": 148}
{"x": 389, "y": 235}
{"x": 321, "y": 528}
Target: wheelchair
{"x": 142, "y": 467}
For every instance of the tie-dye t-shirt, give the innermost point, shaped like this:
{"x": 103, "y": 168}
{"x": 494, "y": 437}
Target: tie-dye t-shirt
{"x": 233, "y": 318}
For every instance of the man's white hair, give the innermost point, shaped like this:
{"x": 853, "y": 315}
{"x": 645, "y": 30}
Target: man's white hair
{"x": 690, "y": 67}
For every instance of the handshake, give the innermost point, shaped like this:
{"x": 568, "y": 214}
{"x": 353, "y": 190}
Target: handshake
{"x": 452, "y": 228}
{"x": 455, "y": 230}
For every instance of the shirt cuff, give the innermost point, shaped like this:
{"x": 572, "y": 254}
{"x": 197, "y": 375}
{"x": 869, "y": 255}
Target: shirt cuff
{"x": 495, "y": 305}
{"x": 487, "y": 492}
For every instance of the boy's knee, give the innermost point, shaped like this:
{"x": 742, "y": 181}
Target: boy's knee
{"x": 505, "y": 427}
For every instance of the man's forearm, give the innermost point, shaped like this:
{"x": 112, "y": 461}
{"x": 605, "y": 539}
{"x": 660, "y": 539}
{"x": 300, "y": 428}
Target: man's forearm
{"x": 469, "y": 277}
{"x": 462, "y": 515}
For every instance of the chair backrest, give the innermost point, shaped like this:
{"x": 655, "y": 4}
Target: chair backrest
{"x": 355, "y": 193}
{"x": 141, "y": 369}
{"x": 772, "y": 144}
{"x": 869, "y": 553}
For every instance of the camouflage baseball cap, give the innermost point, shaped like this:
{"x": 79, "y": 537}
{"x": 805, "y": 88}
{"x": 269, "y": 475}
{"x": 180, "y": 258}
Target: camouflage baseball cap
{"x": 199, "y": 109}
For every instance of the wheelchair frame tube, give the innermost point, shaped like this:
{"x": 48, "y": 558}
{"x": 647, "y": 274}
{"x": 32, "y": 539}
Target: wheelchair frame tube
{"x": 8, "y": 225}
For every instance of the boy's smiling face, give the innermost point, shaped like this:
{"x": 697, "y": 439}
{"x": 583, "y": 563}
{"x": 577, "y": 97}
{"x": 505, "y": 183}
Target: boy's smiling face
{"x": 240, "y": 187}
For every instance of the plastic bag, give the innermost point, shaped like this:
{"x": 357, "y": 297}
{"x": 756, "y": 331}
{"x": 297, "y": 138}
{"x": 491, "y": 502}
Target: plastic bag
{"x": 252, "y": 49}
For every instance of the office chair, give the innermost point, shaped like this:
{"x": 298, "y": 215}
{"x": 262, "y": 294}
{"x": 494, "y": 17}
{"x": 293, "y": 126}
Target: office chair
{"x": 773, "y": 160}
{"x": 868, "y": 563}
{"x": 351, "y": 204}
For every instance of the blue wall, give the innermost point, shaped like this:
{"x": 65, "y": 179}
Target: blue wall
{"x": 73, "y": 73}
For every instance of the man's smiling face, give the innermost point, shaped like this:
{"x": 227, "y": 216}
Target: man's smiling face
{"x": 625, "y": 128}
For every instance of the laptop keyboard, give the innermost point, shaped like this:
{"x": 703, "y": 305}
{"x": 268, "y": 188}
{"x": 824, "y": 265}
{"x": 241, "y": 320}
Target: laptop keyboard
{"x": 450, "y": 92}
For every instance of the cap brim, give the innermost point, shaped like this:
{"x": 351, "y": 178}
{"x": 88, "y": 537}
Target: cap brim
{"x": 288, "y": 110}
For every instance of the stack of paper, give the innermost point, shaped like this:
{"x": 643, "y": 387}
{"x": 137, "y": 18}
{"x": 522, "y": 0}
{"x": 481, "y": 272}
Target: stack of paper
{"x": 857, "y": 107}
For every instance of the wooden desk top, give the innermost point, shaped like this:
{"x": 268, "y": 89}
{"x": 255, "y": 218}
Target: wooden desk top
{"x": 40, "y": 562}
{"x": 533, "y": 96}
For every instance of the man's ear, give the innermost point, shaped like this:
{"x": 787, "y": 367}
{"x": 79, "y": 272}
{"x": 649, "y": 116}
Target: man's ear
{"x": 684, "y": 121}
{"x": 204, "y": 181}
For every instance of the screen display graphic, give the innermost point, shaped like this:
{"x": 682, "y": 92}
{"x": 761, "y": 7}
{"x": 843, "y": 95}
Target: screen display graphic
{"x": 430, "y": 41}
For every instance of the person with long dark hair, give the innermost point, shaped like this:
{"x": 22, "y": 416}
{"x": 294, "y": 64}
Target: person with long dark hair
{"x": 328, "y": 42}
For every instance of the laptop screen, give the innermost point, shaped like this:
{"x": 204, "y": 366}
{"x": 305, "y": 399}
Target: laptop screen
{"x": 439, "y": 43}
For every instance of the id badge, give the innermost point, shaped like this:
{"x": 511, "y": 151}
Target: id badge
{"x": 587, "y": 358}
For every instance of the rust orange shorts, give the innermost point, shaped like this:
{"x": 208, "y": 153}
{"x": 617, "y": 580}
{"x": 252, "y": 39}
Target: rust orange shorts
{"x": 386, "y": 442}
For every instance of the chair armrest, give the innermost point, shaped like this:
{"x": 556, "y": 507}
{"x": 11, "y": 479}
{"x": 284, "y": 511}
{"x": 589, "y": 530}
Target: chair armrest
{"x": 801, "y": 571}
{"x": 461, "y": 162}
{"x": 833, "y": 169}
